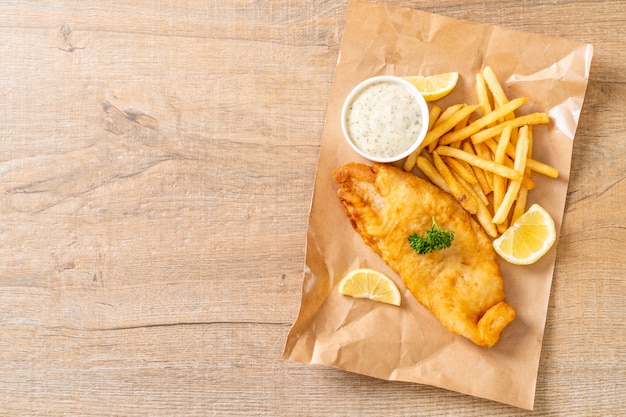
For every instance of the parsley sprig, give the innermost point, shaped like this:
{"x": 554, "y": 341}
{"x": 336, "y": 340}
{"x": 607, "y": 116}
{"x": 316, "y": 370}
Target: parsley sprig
{"x": 434, "y": 239}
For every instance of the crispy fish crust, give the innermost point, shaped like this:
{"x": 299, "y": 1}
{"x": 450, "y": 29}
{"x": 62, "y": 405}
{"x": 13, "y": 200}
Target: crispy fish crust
{"x": 461, "y": 285}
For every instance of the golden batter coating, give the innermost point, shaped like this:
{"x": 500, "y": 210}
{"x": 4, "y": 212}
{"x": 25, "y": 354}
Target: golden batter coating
{"x": 462, "y": 284}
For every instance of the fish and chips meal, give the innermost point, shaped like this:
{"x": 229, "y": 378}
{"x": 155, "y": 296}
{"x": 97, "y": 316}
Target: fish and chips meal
{"x": 456, "y": 203}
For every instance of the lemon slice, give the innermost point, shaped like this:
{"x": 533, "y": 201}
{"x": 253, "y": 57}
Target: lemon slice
{"x": 434, "y": 87}
{"x": 528, "y": 239}
{"x": 371, "y": 284}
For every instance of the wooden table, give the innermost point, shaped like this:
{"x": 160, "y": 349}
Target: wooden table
{"x": 157, "y": 161}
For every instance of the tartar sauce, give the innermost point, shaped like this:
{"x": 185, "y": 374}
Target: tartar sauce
{"x": 384, "y": 120}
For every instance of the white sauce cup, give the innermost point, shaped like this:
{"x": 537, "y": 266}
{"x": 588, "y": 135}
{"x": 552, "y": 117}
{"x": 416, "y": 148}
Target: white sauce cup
{"x": 410, "y": 88}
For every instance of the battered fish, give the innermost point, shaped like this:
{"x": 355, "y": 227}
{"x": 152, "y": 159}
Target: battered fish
{"x": 462, "y": 284}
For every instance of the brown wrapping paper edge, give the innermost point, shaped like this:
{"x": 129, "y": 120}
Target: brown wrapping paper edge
{"x": 408, "y": 343}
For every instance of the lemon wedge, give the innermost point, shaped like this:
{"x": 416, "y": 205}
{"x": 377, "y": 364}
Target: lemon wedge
{"x": 371, "y": 284}
{"x": 434, "y": 87}
{"x": 528, "y": 238}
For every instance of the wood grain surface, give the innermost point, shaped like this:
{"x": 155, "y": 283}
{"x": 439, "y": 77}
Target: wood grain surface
{"x": 157, "y": 160}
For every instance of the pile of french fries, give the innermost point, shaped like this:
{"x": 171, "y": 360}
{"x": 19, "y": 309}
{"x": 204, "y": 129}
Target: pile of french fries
{"x": 486, "y": 163}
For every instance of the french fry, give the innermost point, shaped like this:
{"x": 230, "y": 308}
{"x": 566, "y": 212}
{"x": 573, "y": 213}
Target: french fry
{"x": 449, "y": 111}
{"x": 500, "y": 187}
{"x": 528, "y": 182}
{"x": 462, "y": 123}
{"x": 409, "y": 162}
{"x": 485, "y": 164}
{"x": 493, "y": 146}
{"x": 464, "y": 172}
{"x": 531, "y": 142}
{"x": 514, "y": 136}
{"x": 482, "y": 122}
{"x": 521, "y": 157}
{"x": 456, "y": 189}
{"x": 483, "y": 95}
{"x": 484, "y": 152}
{"x": 499, "y": 97}
{"x": 520, "y": 204}
{"x": 503, "y": 143}
{"x": 500, "y": 183}
{"x": 544, "y": 169}
{"x": 511, "y": 193}
{"x": 447, "y": 124}
{"x": 527, "y": 119}
{"x": 429, "y": 170}
{"x": 486, "y": 220}
{"x": 522, "y": 195}
{"x": 496, "y": 106}
{"x": 433, "y": 116}
{"x": 499, "y": 192}
{"x": 471, "y": 177}
{"x": 501, "y": 227}
{"x": 480, "y": 193}
{"x": 483, "y": 215}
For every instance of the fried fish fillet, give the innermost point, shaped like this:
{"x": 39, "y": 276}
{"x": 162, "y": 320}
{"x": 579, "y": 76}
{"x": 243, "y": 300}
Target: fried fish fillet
{"x": 462, "y": 284}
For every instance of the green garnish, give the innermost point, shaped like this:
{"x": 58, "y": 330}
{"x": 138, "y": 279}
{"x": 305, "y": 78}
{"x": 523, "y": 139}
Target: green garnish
{"x": 435, "y": 239}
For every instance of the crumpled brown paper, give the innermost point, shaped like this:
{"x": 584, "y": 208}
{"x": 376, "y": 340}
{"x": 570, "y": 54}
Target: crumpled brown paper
{"x": 407, "y": 343}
